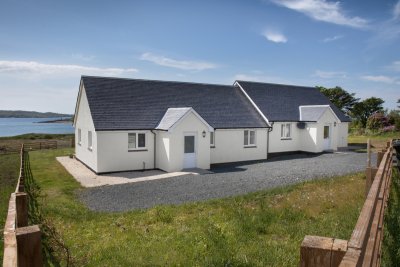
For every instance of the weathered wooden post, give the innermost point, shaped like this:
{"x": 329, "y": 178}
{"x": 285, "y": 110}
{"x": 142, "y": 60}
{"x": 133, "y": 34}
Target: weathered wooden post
{"x": 370, "y": 172}
{"x": 29, "y": 246}
{"x": 21, "y": 200}
{"x": 317, "y": 251}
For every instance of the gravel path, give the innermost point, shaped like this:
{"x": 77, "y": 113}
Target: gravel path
{"x": 226, "y": 180}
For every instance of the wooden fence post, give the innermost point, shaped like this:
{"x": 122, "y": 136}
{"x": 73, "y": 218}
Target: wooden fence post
{"x": 29, "y": 246}
{"x": 370, "y": 173}
{"x": 21, "y": 200}
{"x": 379, "y": 158}
{"x": 316, "y": 251}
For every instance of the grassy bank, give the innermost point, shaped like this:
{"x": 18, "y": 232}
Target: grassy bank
{"x": 382, "y": 138}
{"x": 257, "y": 229}
{"x": 391, "y": 239}
{"x": 9, "y": 171}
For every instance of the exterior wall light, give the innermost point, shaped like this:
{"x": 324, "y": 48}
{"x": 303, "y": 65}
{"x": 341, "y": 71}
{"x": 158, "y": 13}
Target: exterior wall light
{"x": 204, "y": 133}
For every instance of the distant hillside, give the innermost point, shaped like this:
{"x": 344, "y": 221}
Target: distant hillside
{"x": 30, "y": 114}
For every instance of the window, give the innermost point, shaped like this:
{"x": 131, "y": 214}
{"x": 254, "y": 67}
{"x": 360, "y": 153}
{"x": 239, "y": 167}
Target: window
{"x": 136, "y": 141}
{"x": 249, "y": 138}
{"x": 189, "y": 144}
{"x": 79, "y": 137}
{"x": 212, "y": 139}
{"x": 90, "y": 140}
{"x": 286, "y": 131}
{"x": 326, "y": 132}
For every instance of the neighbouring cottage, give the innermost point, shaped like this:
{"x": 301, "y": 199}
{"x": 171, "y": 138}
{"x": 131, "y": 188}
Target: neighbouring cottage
{"x": 132, "y": 124}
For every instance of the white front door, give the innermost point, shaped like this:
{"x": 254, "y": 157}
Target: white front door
{"x": 189, "y": 151}
{"x": 327, "y": 137}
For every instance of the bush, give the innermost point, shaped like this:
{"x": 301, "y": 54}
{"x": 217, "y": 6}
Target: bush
{"x": 376, "y": 122}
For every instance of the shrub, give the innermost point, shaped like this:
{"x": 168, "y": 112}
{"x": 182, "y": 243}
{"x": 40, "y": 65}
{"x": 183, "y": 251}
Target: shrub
{"x": 377, "y": 121}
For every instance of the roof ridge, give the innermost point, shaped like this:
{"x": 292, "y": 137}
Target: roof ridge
{"x": 149, "y": 80}
{"x": 279, "y": 84}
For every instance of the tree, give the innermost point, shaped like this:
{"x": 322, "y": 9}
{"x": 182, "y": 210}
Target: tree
{"x": 340, "y": 98}
{"x": 398, "y": 102}
{"x": 363, "y": 110}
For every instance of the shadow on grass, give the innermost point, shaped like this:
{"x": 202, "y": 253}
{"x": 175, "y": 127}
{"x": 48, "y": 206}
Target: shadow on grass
{"x": 391, "y": 239}
{"x": 55, "y": 252}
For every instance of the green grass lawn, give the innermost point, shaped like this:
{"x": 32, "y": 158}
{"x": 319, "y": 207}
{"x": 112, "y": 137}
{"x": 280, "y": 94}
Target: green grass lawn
{"x": 379, "y": 139}
{"x": 258, "y": 229}
{"x": 9, "y": 171}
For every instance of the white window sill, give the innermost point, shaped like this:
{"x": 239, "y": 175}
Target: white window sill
{"x": 79, "y": 144}
{"x": 137, "y": 149}
{"x": 212, "y": 146}
{"x": 286, "y": 138}
{"x": 250, "y": 146}
{"x": 90, "y": 148}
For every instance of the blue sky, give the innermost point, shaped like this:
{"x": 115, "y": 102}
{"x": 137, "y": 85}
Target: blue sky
{"x": 45, "y": 46}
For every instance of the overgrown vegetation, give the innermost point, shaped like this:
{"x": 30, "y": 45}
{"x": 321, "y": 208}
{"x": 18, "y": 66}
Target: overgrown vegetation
{"x": 9, "y": 171}
{"x": 257, "y": 229}
{"x": 391, "y": 239}
{"x": 368, "y": 115}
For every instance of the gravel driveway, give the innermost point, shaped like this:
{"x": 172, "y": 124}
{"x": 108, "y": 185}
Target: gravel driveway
{"x": 226, "y": 180}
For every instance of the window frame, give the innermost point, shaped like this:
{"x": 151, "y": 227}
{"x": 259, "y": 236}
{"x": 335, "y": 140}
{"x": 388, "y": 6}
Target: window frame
{"x": 137, "y": 147}
{"x": 248, "y": 139}
{"x": 79, "y": 136}
{"x": 90, "y": 140}
{"x": 284, "y": 128}
{"x": 212, "y": 139}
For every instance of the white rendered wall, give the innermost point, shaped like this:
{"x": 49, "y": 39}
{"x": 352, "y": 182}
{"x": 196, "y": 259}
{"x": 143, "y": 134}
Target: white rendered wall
{"x": 84, "y": 122}
{"x": 343, "y": 132}
{"x": 190, "y": 124}
{"x": 277, "y": 144}
{"x": 328, "y": 118}
{"x": 229, "y": 146}
{"x": 310, "y": 139}
{"x": 113, "y": 153}
{"x": 162, "y": 150}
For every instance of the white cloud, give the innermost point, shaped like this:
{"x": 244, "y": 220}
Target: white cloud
{"x": 379, "y": 78}
{"x": 395, "y": 66}
{"x": 333, "y": 38}
{"x": 396, "y": 10}
{"x": 178, "y": 64}
{"x": 330, "y": 74}
{"x": 274, "y": 36}
{"x": 323, "y": 10}
{"x": 34, "y": 67}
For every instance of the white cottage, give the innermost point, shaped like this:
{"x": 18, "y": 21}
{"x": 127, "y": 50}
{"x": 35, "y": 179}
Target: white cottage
{"x": 131, "y": 124}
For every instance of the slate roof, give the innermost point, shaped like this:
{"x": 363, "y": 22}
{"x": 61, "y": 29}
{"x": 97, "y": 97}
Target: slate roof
{"x": 280, "y": 102}
{"x": 312, "y": 113}
{"x": 133, "y": 104}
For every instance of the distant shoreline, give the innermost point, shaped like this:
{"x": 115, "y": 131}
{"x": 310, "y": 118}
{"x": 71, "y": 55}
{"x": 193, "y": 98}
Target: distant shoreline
{"x": 69, "y": 120}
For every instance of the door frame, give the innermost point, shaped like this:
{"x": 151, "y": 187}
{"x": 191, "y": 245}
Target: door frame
{"x": 195, "y": 148}
{"x": 329, "y": 146}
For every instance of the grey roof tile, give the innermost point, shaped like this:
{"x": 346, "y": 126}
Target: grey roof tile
{"x": 280, "y": 102}
{"x": 133, "y": 104}
{"x": 171, "y": 116}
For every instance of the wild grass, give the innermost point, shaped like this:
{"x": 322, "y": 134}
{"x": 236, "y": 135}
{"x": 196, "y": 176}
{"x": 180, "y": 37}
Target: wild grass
{"x": 258, "y": 229}
{"x": 379, "y": 139}
{"x": 9, "y": 171}
{"x": 391, "y": 230}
